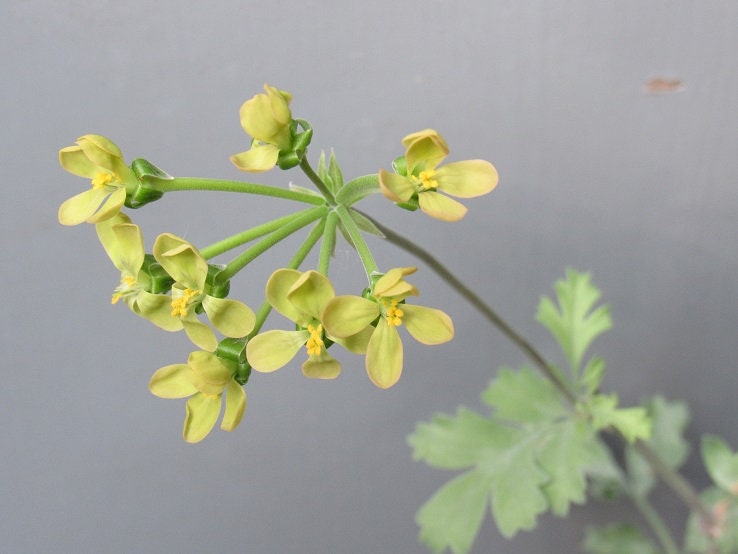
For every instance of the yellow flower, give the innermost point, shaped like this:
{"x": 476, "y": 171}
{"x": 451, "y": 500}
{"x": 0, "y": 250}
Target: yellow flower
{"x": 300, "y": 297}
{"x": 100, "y": 160}
{"x": 204, "y": 378}
{"x": 381, "y": 314}
{"x": 188, "y": 268}
{"x": 267, "y": 118}
{"x": 420, "y": 182}
{"x": 123, "y": 242}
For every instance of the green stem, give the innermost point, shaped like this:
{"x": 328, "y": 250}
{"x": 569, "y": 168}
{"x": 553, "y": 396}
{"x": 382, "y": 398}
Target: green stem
{"x": 656, "y": 523}
{"x": 681, "y": 487}
{"x": 370, "y": 266}
{"x": 294, "y": 263}
{"x": 317, "y": 181}
{"x": 250, "y": 234}
{"x": 328, "y": 245}
{"x": 678, "y": 484}
{"x": 265, "y": 244}
{"x": 193, "y": 183}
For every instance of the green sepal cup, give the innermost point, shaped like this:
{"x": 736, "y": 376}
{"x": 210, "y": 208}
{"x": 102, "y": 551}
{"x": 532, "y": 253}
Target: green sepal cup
{"x": 233, "y": 354}
{"x": 214, "y": 286}
{"x": 146, "y": 191}
{"x": 158, "y": 280}
{"x": 288, "y": 159}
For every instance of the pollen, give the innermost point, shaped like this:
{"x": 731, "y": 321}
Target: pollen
{"x": 427, "y": 182}
{"x": 180, "y": 305}
{"x": 314, "y": 344}
{"x": 102, "y": 179}
{"x": 394, "y": 314}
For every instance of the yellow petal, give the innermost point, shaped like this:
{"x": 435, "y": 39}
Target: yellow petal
{"x": 200, "y": 334}
{"x": 201, "y": 414}
{"x": 310, "y": 293}
{"x": 321, "y": 367}
{"x": 209, "y": 374}
{"x": 384, "y": 356}
{"x": 80, "y": 207}
{"x": 357, "y": 343}
{"x": 235, "y": 406}
{"x": 392, "y": 283}
{"x": 266, "y": 117}
{"x": 157, "y": 308}
{"x": 172, "y": 381}
{"x": 344, "y": 316}
{"x": 441, "y": 207}
{"x": 427, "y": 325}
{"x": 278, "y": 286}
{"x": 123, "y": 243}
{"x": 260, "y": 158}
{"x": 230, "y": 317}
{"x": 395, "y": 187}
{"x": 425, "y": 152}
{"x": 73, "y": 159}
{"x": 269, "y": 351}
{"x": 181, "y": 260}
{"x": 110, "y": 206}
{"x": 467, "y": 179}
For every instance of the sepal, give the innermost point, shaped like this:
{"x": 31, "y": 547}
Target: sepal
{"x": 157, "y": 281}
{"x": 213, "y": 286}
{"x": 146, "y": 190}
{"x": 288, "y": 159}
{"x": 233, "y": 354}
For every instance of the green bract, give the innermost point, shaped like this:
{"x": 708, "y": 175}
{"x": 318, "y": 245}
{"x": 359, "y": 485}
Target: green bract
{"x": 301, "y": 297}
{"x": 380, "y": 315}
{"x": 204, "y": 378}
{"x": 267, "y": 118}
{"x": 100, "y": 160}
{"x": 422, "y": 181}
{"x": 190, "y": 270}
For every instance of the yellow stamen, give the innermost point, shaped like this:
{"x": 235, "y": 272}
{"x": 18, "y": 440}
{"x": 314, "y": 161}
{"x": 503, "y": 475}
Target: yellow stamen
{"x": 427, "y": 182}
{"x": 102, "y": 179}
{"x": 127, "y": 285}
{"x": 180, "y": 305}
{"x": 314, "y": 344}
{"x": 394, "y": 314}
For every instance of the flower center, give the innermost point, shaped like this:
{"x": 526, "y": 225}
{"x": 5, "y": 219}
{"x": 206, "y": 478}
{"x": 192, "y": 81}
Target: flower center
{"x": 180, "y": 305}
{"x": 128, "y": 287}
{"x": 393, "y": 313}
{"x": 427, "y": 182}
{"x": 101, "y": 180}
{"x": 314, "y": 344}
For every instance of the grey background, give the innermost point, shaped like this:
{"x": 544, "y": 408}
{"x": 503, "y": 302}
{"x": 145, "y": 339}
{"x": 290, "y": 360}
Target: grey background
{"x": 595, "y": 174}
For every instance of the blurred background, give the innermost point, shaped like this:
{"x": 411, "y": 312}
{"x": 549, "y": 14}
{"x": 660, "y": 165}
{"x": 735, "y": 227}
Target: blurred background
{"x": 614, "y": 127}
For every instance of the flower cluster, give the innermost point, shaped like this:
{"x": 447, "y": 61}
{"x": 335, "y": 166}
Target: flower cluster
{"x": 176, "y": 288}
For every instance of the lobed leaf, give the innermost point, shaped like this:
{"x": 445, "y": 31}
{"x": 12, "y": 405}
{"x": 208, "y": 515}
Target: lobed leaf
{"x": 575, "y": 323}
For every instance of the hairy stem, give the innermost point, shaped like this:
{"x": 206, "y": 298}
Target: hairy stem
{"x": 193, "y": 183}
{"x": 317, "y": 181}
